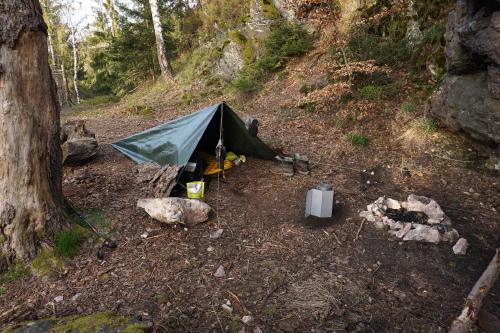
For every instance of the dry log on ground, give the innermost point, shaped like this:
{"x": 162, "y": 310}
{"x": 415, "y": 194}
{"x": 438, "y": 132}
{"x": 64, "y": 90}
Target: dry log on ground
{"x": 474, "y": 301}
{"x": 78, "y": 144}
{"x": 164, "y": 180}
{"x": 161, "y": 180}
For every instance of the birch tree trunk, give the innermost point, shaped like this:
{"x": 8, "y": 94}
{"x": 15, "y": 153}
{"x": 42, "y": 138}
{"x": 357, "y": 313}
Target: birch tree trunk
{"x": 75, "y": 65}
{"x": 51, "y": 50}
{"x": 166, "y": 70}
{"x": 30, "y": 156}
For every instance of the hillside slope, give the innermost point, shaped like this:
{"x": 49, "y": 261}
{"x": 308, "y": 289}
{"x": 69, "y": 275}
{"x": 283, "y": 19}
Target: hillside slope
{"x": 360, "y": 116}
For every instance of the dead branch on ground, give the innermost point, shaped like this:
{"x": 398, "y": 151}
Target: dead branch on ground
{"x": 474, "y": 300}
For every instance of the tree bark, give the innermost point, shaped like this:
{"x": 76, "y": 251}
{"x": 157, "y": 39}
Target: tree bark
{"x": 30, "y": 156}
{"x": 166, "y": 69}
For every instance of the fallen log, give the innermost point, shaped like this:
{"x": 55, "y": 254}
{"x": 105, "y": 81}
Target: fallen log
{"x": 474, "y": 301}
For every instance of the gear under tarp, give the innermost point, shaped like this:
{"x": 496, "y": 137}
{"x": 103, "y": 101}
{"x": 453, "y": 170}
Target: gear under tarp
{"x": 175, "y": 142}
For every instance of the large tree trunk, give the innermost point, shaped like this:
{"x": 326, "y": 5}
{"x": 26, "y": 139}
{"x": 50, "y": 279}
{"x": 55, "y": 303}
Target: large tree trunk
{"x": 30, "y": 155}
{"x": 166, "y": 70}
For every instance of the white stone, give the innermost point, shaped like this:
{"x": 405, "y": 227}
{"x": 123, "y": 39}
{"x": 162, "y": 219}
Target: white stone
{"x": 210, "y": 249}
{"x": 423, "y": 233}
{"x": 461, "y": 246}
{"x": 450, "y": 236}
{"x": 246, "y": 319}
{"x": 379, "y": 225}
{"x": 216, "y": 234}
{"x": 176, "y": 210}
{"x": 403, "y": 231}
{"x": 219, "y": 273}
{"x": 373, "y": 218}
{"x": 392, "y": 204}
{"x": 227, "y": 308}
{"x": 425, "y": 205}
{"x": 76, "y": 297}
{"x": 58, "y": 299}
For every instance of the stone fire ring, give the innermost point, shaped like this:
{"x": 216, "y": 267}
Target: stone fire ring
{"x": 416, "y": 219}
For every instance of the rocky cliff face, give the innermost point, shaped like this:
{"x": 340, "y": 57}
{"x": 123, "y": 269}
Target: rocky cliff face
{"x": 470, "y": 96}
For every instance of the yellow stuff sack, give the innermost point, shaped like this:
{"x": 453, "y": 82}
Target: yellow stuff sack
{"x": 213, "y": 168}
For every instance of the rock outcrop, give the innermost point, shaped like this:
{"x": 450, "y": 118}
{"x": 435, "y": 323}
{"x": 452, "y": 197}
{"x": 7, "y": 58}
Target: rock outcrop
{"x": 231, "y": 61}
{"x": 470, "y": 96}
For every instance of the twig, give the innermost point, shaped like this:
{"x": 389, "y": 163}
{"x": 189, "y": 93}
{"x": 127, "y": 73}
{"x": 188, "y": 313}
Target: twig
{"x": 359, "y": 229}
{"x": 217, "y": 316}
{"x": 449, "y": 159}
{"x": 336, "y": 238}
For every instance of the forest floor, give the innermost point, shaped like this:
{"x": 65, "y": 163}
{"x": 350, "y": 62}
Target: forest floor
{"x": 289, "y": 274}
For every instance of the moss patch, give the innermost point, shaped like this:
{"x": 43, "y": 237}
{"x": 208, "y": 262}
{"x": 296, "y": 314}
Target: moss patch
{"x": 98, "y": 322}
{"x": 46, "y": 263}
{"x": 237, "y": 37}
{"x": 17, "y": 272}
{"x": 269, "y": 10}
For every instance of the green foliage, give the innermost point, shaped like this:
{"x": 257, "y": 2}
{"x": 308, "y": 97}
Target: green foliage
{"x": 358, "y": 139}
{"x": 408, "y": 108}
{"x": 365, "y": 45}
{"x": 247, "y": 79}
{"x": 285, "y": 40}
{"x": 428, "y": 125}
{"x": 307, "y": 88}
{"x": 68, "y": 241}
{"x": 2, "y": 290}
{"x": 309, "y": 107}
{"x": 224, "y": 15}
{"x": 384, "y": 40}
{"x": 101, "y": 100}
{"x": 118, "y": 64}
{"x": 370, "y": 92}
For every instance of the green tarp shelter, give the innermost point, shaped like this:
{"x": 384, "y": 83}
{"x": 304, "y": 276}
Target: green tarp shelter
{"x": 175, "y": 142}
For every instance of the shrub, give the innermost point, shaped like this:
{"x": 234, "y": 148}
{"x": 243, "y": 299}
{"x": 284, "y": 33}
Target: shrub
{"x": 68, "y": 241}
{"x": 370, "y": 92}
{"x": 304, "y": 89}
{"x": 364, "y": 45}
{"x": 284, "y": 41}
{"x": 409, "y": 108}
{"x": 247, "y": 80}
{"x": 429, "y": 125}
{"x": 358, "y": 139}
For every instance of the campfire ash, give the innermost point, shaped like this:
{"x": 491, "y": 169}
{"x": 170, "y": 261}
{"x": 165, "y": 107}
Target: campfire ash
{"x": 416, "y": 219}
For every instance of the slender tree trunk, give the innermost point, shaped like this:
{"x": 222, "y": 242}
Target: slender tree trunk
{"x": 64, "y": 88}
{"x": 166, "y": 70}
{"x": 51, "y": 50}
{"x": 30, "y": 155}
{"x": 75, "y": 65}
{"x": 109, "y": 5}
